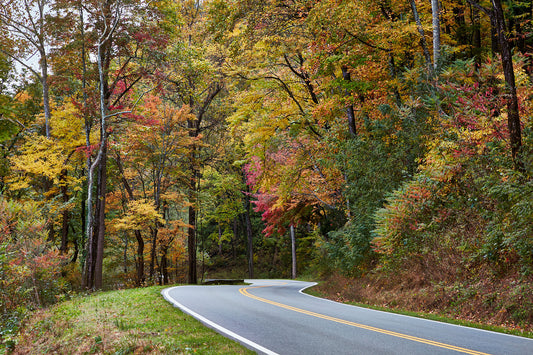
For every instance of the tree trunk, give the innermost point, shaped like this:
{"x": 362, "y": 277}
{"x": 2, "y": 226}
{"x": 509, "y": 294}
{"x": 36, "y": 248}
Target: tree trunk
{"x": 476, "y": 36}
{"x": 100, "y": 240}
{"x": 96, "y": 255}
{"x": 191, "y": 246}
{"x": 435, "y": 12}
{"x": 513, "y": 117}
{"x": 494, "y": 41}
{"x": 164, "y": 267}
{"x": 76, "y": 244}
{"x": 46, "y": 92}
{"x": 249, "y": 235}
{"x": 423, "y": 41}
{"x": 65, "y": 220}
{"x": 193, "y": 190}
{"x": 235, "y": 237}
{"x": 219, "y": 240}
{"x": 293, "y": 252}
{"x": 349, "y": 108}
{"x": 125, "y": 254}
{"x": 140, "y": 258}
{"x": 153, "y": 254}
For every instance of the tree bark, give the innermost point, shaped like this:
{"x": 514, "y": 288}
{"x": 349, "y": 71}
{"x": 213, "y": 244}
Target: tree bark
{"x": 423, "y": 41}
{"x": 349, "y": 108}
{"x": 476, "y": 36}
{"x": 293, "y": 252}
{"x": 191, "y": 246}
{"x": 140, "y": 258}
{"x": 153, "y": 253}
{"x": 193, "y": 126}
{"x": 435, "y": 12}
{"x": 46, "y": 93}
{"x": 249, "y": 234}
{"x": 513, "y": 117}
{"x": 101, "y": 200}
{"x": 65, "y": 218}
{"x": 164, "y": 266}
{"x": 219, "y": 240}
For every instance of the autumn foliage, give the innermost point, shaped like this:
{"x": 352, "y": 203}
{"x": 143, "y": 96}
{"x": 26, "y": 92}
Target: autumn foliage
{"x": 168, "y": 141}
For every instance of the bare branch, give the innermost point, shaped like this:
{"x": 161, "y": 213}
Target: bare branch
{"x": 479, "y": 7}
{"x": 23, "y": 64}
{"x": 134, "y": 105}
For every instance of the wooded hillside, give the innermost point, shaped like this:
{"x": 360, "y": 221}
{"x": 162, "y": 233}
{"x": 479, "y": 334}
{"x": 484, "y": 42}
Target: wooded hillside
{"x": 387, "y": 143}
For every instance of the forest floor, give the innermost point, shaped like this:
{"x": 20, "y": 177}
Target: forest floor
{"x": 504, "y": 305}
{"x": 135, "y": 321}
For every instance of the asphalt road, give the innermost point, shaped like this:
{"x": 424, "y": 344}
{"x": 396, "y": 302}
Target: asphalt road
{"x": 275, "y": 317}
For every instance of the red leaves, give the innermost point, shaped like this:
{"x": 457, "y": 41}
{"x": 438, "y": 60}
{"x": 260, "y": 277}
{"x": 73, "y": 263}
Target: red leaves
{"x": 141, "y": 36}
{"x": 253, "y": 171}
{"x": 88, "y": 150}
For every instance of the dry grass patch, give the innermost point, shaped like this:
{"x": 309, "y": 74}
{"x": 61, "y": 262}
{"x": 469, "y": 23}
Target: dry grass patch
{"x": 504, "y": 305}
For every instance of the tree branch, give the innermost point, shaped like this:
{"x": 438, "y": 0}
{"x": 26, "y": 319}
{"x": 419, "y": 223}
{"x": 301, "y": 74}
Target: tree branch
{"x": 479, "y": 7}
{"x": 366, "y": 43}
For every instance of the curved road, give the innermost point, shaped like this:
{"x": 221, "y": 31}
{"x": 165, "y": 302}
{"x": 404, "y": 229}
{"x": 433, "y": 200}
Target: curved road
{"x": 275, "y": 317}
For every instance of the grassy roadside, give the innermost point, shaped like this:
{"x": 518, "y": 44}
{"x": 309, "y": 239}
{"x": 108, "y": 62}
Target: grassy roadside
{"x": 321, "y": 291}
{"x": 135, "y": 321}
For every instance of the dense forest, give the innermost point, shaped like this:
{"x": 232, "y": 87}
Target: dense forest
{"x": 386, "y": 143}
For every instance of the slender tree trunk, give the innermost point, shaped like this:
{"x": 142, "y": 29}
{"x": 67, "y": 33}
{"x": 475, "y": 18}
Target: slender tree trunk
{"x": 191, "y": 246}
{"x": 219, "y": 240}
{"x": 65, "y": 220}
{"x": 164, "y": 267}
{"x": 513, "y": 117}
{"x": 95, "y": 254}
{"x": 423, "y": 41}
{"x": 235, "y": 237}
{"x": 125, "y": 254}
{"x": 46, "y": 92}
{"x": 87, "y": 213}
{"x": 140, "y": 258}
{"x": 76, "y": 243}
{"x": 293, "y": 252}
{"x": 153, "y": 253}
{"x": 349, "y": 108}
{"x": 392, "y": 71}
{"x": 249, "y": 235}
{"x": 101, "y": 200}
{"x": 494, "y": 41}
{"x": 476, "y": 36}
{"x": 193, "y": 190}
{"x": 435, "y": 12}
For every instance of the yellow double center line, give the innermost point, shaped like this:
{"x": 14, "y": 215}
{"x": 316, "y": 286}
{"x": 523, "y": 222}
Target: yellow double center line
{"x": 245, "y": 292}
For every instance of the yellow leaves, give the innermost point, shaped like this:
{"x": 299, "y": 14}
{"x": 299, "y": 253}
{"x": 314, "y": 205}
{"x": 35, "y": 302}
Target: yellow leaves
{"x": 67, "y": 125}
{"x": 141, "y": 214}
{"x": 23, "y": 97}
{"x": 40, "y": 157}
{"x": 50, "y": 158}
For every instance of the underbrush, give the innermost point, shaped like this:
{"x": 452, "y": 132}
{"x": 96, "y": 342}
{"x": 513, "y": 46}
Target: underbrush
{"x": 502, "y": 304}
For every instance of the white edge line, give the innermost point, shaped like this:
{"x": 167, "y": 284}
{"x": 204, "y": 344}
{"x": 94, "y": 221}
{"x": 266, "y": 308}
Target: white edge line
{"x": 405, "y": 315}
{"x": 226, "y": 332}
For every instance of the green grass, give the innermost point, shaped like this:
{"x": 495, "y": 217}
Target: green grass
{"x": 432, "y": 316}
{"x": 135, "y": 321}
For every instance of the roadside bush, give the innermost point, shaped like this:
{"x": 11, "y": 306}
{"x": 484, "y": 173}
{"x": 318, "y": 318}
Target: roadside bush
{"x": 467, "y": 207}
{"x": 29, "y": 267}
